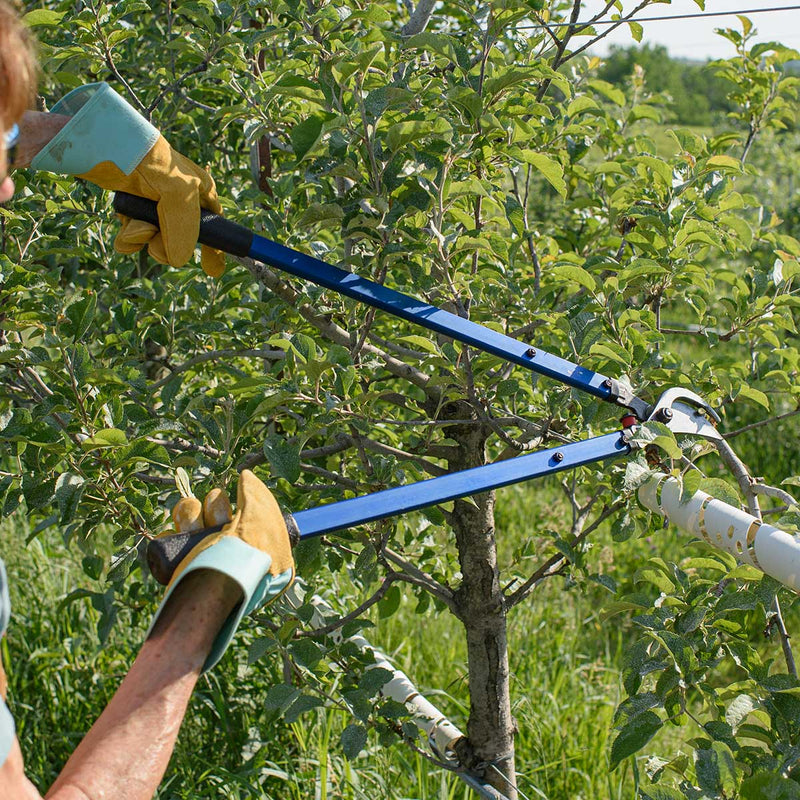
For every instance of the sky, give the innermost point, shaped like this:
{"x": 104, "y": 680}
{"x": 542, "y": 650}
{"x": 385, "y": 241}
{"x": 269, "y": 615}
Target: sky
{"x": 695, "y": 38}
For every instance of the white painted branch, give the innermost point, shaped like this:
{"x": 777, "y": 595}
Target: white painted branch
{"x": 775, "y": 552}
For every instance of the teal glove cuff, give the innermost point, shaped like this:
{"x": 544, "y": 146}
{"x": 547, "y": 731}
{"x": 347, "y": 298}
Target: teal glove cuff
{"x": 5, "y": 599}
{"x": 7, "y": 732}
{"x": 103, "y": 128}
{"x": 249, "y": 567}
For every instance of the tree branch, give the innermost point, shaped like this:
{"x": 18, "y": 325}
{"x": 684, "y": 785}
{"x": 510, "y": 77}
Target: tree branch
{"x": 419, "y": 19}
{"x": 413, "y": 574}
{"x": 213, "y": 355}
{"x": 774, "y": 491}
{"x": 761, "y": 423}
{"x": 386, "y": 584}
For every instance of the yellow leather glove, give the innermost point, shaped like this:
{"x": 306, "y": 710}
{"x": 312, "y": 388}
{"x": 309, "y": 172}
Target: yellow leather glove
{"x": 253, "y": 549}
{"x": 108, "y": 143}
{"x": 180, "y": 188}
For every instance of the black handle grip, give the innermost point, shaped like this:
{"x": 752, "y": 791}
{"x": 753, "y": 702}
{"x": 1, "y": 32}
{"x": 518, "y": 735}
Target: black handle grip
{"x": 165, "y": 553}
{"x": 215, "y": 231}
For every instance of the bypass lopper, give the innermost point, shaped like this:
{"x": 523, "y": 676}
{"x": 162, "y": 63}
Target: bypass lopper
{"x": 683, "y": 411}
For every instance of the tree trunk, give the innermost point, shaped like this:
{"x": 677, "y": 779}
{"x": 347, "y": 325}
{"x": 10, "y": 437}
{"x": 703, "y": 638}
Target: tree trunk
{"x": 491, "y": 728}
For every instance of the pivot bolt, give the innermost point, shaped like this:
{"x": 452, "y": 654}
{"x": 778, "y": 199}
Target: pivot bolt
{"x": 608, "y": 383}
{"x": 664, "y": 414}
{"x": 558, "y": 456}
{"x": 530, "y": 352}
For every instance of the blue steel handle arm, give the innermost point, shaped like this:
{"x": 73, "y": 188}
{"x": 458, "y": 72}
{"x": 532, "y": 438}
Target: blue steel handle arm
{"x": 166, "y": 552}
{"x": 239, "y": 241}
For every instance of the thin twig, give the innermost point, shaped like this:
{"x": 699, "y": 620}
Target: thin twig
{"x": 413, "y": 574}
{"x": 761, "y": 423}
{"x": 214, "y": 355}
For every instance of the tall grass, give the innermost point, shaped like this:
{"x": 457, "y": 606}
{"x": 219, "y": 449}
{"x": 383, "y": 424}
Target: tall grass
{"x": 564, "y": 663}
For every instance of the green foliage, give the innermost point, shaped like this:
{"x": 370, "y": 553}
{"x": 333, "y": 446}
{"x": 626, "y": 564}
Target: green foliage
{"x": 471, "y": 166}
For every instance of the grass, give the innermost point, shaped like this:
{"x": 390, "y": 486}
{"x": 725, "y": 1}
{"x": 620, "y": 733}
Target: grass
{"x": 565, "y": 660}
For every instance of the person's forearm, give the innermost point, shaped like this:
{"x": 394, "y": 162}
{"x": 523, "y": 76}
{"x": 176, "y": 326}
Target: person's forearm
{"x": 36, "y": 129}
{"x": 126, "y": 752}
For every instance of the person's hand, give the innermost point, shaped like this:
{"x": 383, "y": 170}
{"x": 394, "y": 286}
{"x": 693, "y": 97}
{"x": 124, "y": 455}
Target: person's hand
{"x": 253, "y": 549}
{"x": 108, "y": 143}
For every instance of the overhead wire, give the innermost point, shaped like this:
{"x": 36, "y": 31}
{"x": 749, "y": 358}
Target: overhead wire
{"x": 699, "y": 15}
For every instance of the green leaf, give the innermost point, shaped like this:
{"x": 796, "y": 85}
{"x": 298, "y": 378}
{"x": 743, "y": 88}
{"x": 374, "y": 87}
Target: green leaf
{"x": 390, "y": 602}
{"x": 404, "y": 133}
{"x": 280, "y": 697}
{"x": 739, "y": 709}
{"x": 659, "y": 168}
{"x": 420, "y": 343}
{"x": 716, "y": 770}
{"x": 303, "y": 703}
{"x": 551, "y": 169}
{"x": 721, "y": 490}
{"x": 108, "y": 437}
{"x": 613, "y": 93}
{"x": 316, "y": 213}
{"x": 636, "y": 31}
{"x": 634, "y": 736}
{"x": 668, "y": 445}
{"x": 41, "y": 16}
{"x": 768, "y": 786}
{"x": 660, "y": 793}
{"x": 122, "y": 566}
{"x": 572, "y": 272}
{"x": 725, "y": 163}
{"x": 754, "y": 394}
{"x": 69, "y": 488}
{"x": 656, "y": 577}
{"x": 305, "y": 135}
{"x": 353, "y": 740}
{"x": 306, "y": 653}
{"x": 623, "y": 527}
{"x": 374, "y": 679}
{"x": 80, "y": 315}
{"x": 283, "y": 457}
{"x": 636, "y": 475}
{"x": 92, "y": 566}
{"x": 260, "y": 647}
{"x": 38, "y": 493}
{"x": 143, "y": 450}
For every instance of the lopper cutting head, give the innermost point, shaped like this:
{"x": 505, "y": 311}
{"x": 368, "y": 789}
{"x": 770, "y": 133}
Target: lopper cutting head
{"x": 684, "y": 411}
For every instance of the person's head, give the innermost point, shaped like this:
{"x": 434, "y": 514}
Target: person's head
{"x": 17, "y": 81}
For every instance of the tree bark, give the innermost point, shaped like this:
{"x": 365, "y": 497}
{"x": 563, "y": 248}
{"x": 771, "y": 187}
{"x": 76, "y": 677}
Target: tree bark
{"x": 480, "y": 607}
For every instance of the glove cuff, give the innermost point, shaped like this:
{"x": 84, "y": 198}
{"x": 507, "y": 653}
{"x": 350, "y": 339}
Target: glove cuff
{"x": 246, "y": 565}
{"x": 7, "y": 732}
{"x": 103, "y": 128}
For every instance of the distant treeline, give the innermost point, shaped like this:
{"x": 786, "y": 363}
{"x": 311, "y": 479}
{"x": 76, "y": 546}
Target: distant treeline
{"x": 698, "y": 96}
